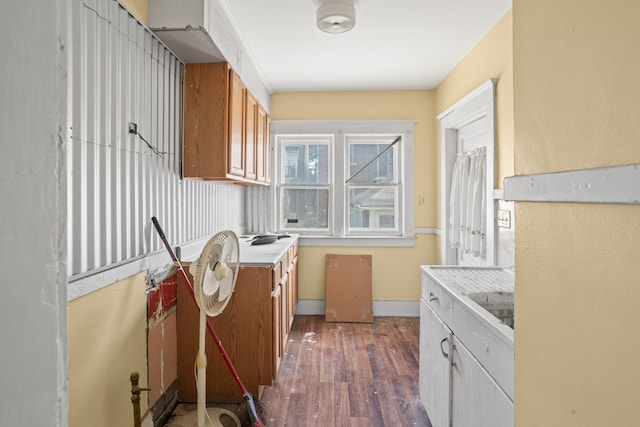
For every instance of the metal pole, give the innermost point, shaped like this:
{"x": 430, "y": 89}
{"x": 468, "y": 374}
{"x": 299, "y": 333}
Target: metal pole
{"x": 135, "y": 398}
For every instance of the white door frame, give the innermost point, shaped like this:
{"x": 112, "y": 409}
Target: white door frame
{"x": 478, "y": 104}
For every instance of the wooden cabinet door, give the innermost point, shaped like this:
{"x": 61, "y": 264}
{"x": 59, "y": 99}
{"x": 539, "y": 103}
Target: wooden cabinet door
{"x": 206, "y": 120}
{"x": 236, "y": 138}
{"x": 284, "y": 330}
{"x": 276, "y": 307}
{"x": 292, "y": 296}
{"x": 267, "y": 145}
{"x": 262, "y": 145}
{"x": 250, "y": 157}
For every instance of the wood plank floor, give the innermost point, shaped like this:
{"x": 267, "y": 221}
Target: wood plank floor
{"x": 347, "y": 374}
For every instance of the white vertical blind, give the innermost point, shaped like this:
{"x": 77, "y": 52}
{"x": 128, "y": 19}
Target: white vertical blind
{"x": 120, "y": 74}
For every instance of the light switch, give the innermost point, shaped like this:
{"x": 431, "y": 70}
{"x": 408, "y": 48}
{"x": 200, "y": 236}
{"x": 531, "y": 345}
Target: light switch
{"x": 504, "y": 218}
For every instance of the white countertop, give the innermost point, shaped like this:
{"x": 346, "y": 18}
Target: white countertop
{"x": 460, "y": 281}
{"x": 269, "y": 254}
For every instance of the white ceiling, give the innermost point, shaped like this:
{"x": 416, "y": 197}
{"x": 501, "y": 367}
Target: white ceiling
{"x": 395, "y": 44}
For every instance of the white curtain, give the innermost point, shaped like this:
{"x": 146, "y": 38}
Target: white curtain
{"x": 467, "y": 221}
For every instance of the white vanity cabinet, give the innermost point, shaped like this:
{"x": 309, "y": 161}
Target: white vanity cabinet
{"x": 466, "y": 367}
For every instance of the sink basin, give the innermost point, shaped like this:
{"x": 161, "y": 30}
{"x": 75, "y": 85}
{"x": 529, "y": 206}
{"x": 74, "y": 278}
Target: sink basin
{"x": 499, "y": 304}
{"x": 489, "y": 289}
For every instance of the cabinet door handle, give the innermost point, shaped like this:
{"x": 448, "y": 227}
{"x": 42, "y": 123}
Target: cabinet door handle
{"x": 444, "y": 353}
{"x": 432, "y": 297}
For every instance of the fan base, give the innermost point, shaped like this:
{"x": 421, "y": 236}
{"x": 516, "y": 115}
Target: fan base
{"x": 220, "y": 417}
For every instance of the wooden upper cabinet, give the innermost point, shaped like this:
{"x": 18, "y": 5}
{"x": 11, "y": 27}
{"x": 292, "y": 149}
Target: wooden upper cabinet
{"x": 220, "y": 126}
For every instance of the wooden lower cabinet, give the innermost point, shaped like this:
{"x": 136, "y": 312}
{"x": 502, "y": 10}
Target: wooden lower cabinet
{"x": 253, "y": 329}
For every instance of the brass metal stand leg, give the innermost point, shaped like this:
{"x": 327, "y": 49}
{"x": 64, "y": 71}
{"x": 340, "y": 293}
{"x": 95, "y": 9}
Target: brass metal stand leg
{"x": 135, "y": 398}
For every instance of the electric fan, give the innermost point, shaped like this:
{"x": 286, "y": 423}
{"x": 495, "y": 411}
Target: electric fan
{"x": 214, "y": 278}
{"x": 214, "y": 273}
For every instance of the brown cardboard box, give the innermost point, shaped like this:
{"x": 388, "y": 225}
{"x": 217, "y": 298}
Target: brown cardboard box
{"x": 349, "y": 295}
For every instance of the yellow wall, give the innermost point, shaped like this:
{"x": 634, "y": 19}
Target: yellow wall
{"x": 492, "y": 57}
{"x": 140, "y": 8}
{"x": 107, "y": 341}
{"x": 396, "y": 270}
{"x": 577, "y": 295}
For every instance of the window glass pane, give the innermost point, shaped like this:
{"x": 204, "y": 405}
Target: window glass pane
{"x": 306, "y": 163}
{"x": 381, "y": 170}
{"x": 305, "y": 208}
{"x": 373, "y": 208}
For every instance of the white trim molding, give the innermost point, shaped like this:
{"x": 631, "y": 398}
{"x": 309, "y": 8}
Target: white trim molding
{"x": 428, "y": 230}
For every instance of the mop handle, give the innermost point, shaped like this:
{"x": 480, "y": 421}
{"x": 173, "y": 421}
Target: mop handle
{"x": 247, "y": 396}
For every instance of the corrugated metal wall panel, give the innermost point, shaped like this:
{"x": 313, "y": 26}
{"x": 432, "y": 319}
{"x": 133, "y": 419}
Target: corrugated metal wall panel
{"x": 258, "y": 208}
{"x": 122, "y": 74}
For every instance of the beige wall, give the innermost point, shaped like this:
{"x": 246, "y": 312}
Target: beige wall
{"x": 107, "y": 342}
{"x": 492, "y": 57}
{"x": 395, "y": 270}
{"x": 140, "y": 8}
{"x": 577, "y": 296}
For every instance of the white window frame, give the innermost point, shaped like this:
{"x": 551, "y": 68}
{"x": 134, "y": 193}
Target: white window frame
{"x": 338, "y": 234}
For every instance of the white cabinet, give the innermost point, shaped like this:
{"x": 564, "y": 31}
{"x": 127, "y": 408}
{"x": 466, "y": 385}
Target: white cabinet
{"x": 466, "y": 371}
{"x": 435, "y": 360}
{"x": 477, "y": 400}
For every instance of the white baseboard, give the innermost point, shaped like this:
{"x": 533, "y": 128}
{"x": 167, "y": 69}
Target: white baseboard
{"x": 310, "y": 306}
{"x": 380, "y": 308}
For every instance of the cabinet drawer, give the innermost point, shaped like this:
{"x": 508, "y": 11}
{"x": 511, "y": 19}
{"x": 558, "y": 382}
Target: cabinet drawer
{"x": 436, "y": 298}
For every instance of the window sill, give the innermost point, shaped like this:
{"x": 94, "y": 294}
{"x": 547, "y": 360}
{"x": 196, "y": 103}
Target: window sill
{"x": 375, "y": 241}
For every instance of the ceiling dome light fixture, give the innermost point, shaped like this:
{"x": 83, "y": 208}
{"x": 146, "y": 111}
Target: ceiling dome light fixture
{"x": 336, "y": 16}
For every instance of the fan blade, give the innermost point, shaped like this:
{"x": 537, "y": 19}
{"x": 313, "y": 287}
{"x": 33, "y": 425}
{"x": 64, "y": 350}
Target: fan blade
{"x": 225, "y": 288}
{"x": 210, "y": 283}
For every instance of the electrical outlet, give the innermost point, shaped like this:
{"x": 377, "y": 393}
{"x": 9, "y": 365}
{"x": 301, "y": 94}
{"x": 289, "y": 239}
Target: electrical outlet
{"x": 503, "y": 218}
{"x": 133, "y": 128}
